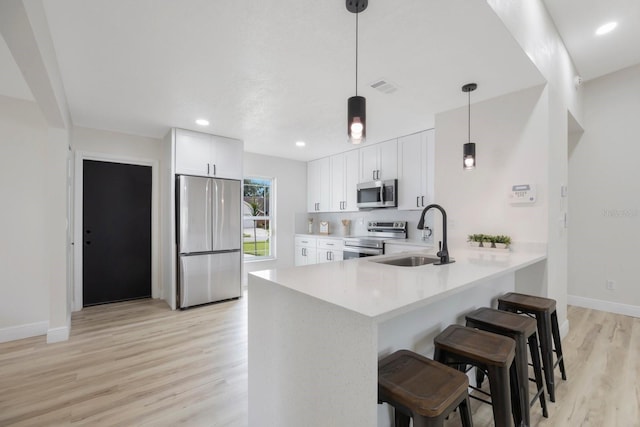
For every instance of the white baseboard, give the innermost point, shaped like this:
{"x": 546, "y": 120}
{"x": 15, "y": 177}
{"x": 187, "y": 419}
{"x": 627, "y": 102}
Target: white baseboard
{"x": 19, "y": 332}
{"x": 61, "y": 333}
{"x": 58, "y": 334}
{"x": 611, "y": 307}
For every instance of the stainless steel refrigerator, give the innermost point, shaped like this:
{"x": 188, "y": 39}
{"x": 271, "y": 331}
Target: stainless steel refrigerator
{"x": 209, "y": 236}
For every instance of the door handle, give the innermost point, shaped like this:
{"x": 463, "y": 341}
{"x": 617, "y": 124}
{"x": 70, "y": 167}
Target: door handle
{"x": 423, "y": 201}
{"x": 417, "y": 201}
{"x": 208, "y": 169}
{"x": 214, "y": 169}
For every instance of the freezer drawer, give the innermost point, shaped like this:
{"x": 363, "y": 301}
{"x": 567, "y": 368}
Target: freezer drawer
{"x": 208, "y": 278}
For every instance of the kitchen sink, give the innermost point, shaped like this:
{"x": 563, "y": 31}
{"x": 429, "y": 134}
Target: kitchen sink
{"x": 410, "y": 261}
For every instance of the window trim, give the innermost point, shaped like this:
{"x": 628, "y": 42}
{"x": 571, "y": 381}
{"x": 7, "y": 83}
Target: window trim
{"x": 271, "y": 217}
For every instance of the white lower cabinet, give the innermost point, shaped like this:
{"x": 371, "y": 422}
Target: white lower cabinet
{"x": 306, "y": 252}
{"x": 314, "y": 250}
{"x": 329, "y": 250}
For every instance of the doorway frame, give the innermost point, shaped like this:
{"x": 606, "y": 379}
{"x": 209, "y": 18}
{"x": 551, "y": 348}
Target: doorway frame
{"x": 78, "y": 200}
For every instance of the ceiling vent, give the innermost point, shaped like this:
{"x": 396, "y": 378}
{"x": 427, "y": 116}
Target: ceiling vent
{"x": 384, "y": 86}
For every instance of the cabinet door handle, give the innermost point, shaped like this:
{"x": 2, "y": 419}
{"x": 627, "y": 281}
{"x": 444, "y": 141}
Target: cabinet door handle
{"x": 303, "y": 252}
{"x": 207, "y": 168}
{"x": 417, "y": 201}
{"x": 214, "y": 169}
{"x": 423, "y": 201}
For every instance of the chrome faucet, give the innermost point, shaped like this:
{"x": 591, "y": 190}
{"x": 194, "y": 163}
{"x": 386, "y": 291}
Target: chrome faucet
{"x": 443, "y": 251}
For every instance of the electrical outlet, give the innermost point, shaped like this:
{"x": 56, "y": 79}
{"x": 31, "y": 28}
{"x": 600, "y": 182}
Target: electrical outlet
{"x": 611, "y": 285}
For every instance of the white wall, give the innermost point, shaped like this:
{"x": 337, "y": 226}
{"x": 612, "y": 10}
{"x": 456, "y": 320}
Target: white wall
{"x": 291, "y": 199}
{"x": 510, "y": 135}
{"x": 605, "y": 203}
{"x": 531, "y": 25}
{"x": 115, "y": 143}
{"x": 24, "y": 220}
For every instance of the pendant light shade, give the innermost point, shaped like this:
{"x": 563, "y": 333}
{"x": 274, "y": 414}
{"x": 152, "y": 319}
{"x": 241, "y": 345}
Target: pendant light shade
{"x": 357, "y": 119}
{"x": 469, "y": 153}
{"x": 356, "y": 105}
{"x": 469, "y": 149}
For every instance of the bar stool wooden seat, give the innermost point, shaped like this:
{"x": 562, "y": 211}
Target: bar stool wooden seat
{"x": 523, "y": 330}
{"x": 544, "y": 311}
{"x": 422, "y": 389}
{"x": 494, "y": 354}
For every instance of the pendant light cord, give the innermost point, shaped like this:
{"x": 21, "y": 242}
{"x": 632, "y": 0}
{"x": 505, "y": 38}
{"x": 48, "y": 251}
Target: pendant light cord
{"x": 469, "y": 116}
{"x": 357, "y": 53}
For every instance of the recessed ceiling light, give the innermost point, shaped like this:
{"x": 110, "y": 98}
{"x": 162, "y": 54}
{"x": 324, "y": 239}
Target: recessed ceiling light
{"x": 202, "y": 122}
{"x": 300, "y": 143}
{"x": 606, "y": 28}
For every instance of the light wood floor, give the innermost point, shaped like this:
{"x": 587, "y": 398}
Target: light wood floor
{"x": 137, "y": 363}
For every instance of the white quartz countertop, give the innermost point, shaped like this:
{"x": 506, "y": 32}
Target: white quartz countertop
{"x": 381, "y": 291}
{"x": 409, "y": 242}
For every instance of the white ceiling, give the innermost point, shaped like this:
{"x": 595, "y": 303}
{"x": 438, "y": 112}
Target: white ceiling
{"x": 273, "y": 72}
{"x": 595, "y": 56}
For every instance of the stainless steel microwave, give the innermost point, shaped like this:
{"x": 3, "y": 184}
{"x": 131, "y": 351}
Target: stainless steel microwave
{"x": 378, "y": 194}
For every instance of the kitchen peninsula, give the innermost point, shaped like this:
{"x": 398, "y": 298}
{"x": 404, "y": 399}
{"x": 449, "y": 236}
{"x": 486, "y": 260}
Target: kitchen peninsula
{"x": 316, "y": 332}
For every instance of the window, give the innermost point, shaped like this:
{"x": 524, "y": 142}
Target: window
{"x": 257, "y": 224}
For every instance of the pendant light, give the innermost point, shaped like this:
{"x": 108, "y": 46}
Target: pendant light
{"x": 469, "y": 149}
{"x": 357, "y": 105}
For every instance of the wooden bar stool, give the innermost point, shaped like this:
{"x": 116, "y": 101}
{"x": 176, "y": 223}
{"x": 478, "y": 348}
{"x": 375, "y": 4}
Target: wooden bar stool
{"x": 422, "y": 389}
{"x": 494, "y": 354}
{"x": 523, "y": 330}
{"x": 544, "y": 311}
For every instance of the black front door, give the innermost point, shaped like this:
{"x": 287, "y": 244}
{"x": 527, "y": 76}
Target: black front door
{"x": 116, "y": 218}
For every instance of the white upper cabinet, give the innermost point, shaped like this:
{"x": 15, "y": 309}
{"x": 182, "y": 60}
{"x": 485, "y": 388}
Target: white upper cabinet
{"x": 318, "y": 185}
{"x": 379, "y": 161}
{"x": 344, "y": 179}
{"x": 416, "y": 170}
{"x": 202, "y": 154}
{"x": 226, "y": 157}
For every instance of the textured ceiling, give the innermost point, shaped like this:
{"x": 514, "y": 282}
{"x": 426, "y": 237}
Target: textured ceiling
{"x": 275, "y": 72}
{"x": 595, "y": 56}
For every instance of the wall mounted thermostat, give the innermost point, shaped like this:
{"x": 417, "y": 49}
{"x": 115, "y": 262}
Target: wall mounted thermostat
{"x": 523, "y": 194}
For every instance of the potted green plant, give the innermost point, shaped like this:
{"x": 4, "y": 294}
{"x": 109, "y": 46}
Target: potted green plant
{"x": 502, "y": 242}
{"x": 474, "y": 240}
{"x": 486, "y": 240}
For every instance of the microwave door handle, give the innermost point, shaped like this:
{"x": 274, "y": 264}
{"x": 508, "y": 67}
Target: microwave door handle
{"x": 382, "y": 193}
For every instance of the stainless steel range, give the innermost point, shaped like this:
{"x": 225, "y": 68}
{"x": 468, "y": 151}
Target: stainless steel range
{"x": 372, "y": 243}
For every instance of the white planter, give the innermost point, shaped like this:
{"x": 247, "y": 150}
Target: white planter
{"x": 474, "y": 244}
{"x": 501, "y": 245}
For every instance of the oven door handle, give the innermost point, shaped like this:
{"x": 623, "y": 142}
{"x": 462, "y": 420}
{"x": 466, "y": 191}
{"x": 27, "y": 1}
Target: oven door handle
{"x": 358, "y": 250}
